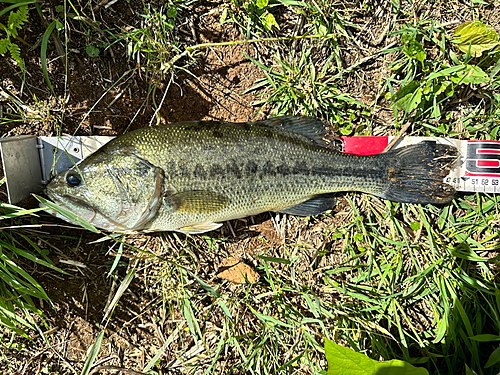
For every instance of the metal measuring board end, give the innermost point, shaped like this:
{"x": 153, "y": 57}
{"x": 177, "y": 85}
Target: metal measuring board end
{"x": 60, "y": 153}
{"x": 21, "y": 167}
{"x": 30, "y": 162}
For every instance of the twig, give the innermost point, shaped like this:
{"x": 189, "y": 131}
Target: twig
{"x": 451, "y": 23}
{"x": 231, "y": 229}
{"x": 117, "y": 97}
{"x": 189, "y": 50}
{"x": 110, "y": 3}
{"x": 397, "y": 137}
{"x": 105, "y": 3}
{"x": 362, "y": 61}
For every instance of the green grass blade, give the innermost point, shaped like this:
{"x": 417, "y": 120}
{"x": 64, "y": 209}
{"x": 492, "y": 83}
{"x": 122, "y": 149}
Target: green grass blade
{"x": 92, "y": 355}
{"x": 43, "y": 53}
{"x": 67, "y": 214}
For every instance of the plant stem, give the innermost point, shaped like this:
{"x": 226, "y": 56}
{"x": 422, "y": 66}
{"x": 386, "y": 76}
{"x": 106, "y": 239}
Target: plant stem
{"x": 189, "y": 50}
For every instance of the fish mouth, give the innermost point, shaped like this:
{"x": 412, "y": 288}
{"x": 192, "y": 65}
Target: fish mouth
{"x": 71, "y": 203}
{"x": 83, "y": 210}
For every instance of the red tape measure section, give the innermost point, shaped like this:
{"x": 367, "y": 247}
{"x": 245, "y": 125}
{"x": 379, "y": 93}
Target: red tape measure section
{"x": 364, "y": 145}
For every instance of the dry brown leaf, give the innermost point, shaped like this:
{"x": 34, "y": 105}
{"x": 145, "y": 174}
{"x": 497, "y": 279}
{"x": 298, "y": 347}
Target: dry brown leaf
{"x": 236, "y": 271}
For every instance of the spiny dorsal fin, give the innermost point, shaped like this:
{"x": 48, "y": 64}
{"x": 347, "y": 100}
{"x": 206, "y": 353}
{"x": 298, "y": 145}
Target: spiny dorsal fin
{"x": 196, "y": 202}
{"x": 310, "y": 127}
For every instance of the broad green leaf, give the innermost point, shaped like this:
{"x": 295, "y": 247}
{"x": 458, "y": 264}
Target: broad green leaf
{"x": 345, "y": 361}
{"x": 443, "y": 88}
{"x": 415, "y": 225}
{"x": 408, "y": 96}
{"x": 412, "y": 48}
{"x": 494, "y": 358}
{"x": 269, "y": 21}
{"x": 322, "y": 30}
{"x": 262, "y": 3}
{"x": 92, "y": 51}
{"x": 475, "y": 37}
{"x": 470, "y": 74}
{"x": 171, "y": 12}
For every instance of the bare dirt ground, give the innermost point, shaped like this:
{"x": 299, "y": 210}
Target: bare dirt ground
{"x": 214, "y": 91}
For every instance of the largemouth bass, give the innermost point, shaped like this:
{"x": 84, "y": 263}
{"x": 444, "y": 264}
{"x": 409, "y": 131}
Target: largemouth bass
{"x": 191, "y": 176}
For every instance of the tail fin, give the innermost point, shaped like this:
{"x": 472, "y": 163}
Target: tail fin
{"x": 416, "y": 173}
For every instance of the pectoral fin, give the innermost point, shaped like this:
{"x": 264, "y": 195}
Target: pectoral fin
{"x": 199, "y": 228}
{"x": 196, "y": 202}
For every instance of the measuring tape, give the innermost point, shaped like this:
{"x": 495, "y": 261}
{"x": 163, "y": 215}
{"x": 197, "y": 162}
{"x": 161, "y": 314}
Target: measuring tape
{"x": 478, "y": 169}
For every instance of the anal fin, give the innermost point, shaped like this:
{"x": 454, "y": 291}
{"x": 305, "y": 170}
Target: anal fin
{"x": 311, "y": 207}
{"x": 199, "y": 228}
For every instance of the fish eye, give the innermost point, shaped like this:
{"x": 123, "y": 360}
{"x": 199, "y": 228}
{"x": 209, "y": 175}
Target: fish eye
{"x": 73, "y": 180}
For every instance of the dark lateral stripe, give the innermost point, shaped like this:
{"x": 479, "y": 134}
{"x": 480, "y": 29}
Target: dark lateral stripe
{"x": 250, "y": 168}
{"x": 270, "y": 169}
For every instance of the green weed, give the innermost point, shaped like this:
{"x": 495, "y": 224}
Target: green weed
{"x": 307, "y": 87}
{"x": 434, "y": 75}
{"x": 253, "y": 16}
{"x": 17, "y": 18}
{"x": 18, "y": 289}
{"x": 420, "y": 293}
{"x": 153, "y": 46}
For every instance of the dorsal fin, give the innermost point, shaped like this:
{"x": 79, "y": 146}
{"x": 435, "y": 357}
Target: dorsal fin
{"x": 310, "y": 127}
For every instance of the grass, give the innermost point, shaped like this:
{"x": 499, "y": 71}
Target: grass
{"x": 19, "y": 313}
{"x": 391, "y": 281}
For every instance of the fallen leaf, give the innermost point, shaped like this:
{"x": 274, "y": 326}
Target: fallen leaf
{"x": 236, "y": 271}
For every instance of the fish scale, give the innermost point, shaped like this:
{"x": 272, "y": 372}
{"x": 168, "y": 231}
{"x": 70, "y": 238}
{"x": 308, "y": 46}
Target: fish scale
{"x": 211, "y": 172}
